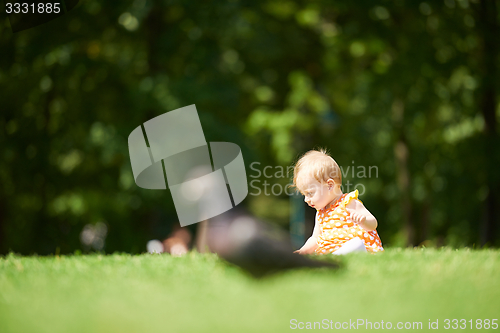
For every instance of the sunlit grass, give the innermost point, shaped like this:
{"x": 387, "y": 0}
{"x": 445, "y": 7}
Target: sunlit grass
{"x": 160, "y": 293}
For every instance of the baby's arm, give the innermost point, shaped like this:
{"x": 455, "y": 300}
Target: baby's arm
{"x": 312, "y": 243}
{"x": 361, "y": 215}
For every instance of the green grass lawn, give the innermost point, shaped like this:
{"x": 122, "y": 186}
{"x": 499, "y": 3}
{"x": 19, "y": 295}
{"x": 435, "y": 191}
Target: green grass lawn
{"x": 201, "y": 293}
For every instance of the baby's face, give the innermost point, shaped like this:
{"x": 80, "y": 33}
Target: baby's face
{"x": 317, "y": 195}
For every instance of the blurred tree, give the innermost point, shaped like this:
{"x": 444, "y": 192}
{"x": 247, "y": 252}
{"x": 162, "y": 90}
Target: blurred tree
{"x": 408, "y": 88}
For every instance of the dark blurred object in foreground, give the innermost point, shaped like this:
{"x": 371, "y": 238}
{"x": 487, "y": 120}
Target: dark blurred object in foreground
{"x": 255, "y": 246}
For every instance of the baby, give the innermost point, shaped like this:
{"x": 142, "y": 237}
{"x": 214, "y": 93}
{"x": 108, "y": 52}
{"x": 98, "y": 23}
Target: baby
{"x": 342, "y": 223}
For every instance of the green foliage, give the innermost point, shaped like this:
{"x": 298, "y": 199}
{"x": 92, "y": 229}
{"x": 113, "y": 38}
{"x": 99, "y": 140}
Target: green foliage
{"x": 407, "y": 87}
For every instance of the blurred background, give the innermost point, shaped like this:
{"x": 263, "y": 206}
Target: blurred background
{"x": 405, "y": 89}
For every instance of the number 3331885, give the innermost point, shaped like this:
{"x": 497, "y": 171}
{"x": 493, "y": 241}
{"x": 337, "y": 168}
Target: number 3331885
{"x": 40, "y": 8}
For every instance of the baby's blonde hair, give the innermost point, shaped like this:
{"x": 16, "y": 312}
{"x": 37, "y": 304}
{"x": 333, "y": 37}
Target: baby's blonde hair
{"x": 317, "y": 164}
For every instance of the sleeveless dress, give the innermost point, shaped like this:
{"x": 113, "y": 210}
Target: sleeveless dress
{"x": 336, "y": 228}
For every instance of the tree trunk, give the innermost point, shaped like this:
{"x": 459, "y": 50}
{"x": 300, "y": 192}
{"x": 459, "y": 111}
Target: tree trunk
{"x": 488, "y": 30}
{"x": 401, "y": 154}
{"x": 3, "y": 245}
{"x": 201, "y": 237}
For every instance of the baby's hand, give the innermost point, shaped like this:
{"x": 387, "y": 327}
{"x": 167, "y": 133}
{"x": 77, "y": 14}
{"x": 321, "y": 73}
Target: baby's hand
{"x": 356, "y": 217}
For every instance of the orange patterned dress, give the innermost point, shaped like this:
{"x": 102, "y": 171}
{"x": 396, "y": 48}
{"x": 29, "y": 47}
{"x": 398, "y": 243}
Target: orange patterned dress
{"x": 336, "y": 228}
